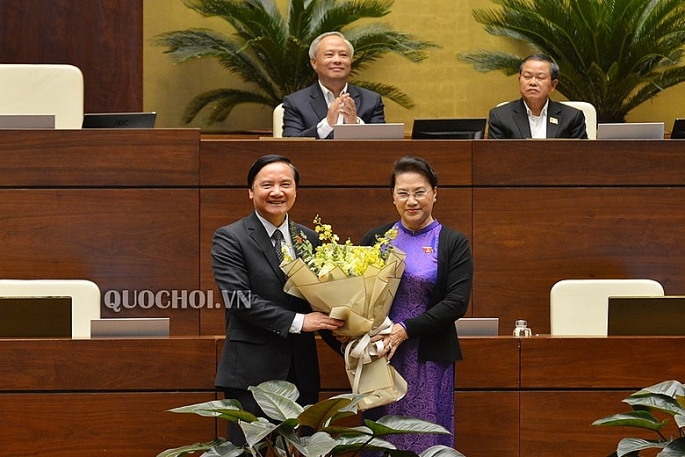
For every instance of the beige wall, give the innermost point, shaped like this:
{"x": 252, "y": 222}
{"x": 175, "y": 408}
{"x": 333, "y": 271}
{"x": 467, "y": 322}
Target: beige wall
{"x": 440, "y": 86}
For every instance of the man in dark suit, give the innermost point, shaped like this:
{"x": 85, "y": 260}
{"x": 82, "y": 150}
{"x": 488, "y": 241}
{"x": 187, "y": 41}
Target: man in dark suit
{"x": 313, "y": 111}
{"x": 535, "y": 115}
{"x": 269, "y": 334}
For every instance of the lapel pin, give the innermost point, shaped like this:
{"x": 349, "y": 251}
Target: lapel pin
{"x": 553, "y": 120}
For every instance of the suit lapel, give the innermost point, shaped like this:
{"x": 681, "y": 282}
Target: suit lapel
{"x": 521, "y": 119}
{"x": 317, "y": 101}
{"x": 261, "y": 238}
{"x": 356, "y": 96}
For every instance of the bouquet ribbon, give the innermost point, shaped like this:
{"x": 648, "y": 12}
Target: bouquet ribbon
{"x": 370, "y": 374}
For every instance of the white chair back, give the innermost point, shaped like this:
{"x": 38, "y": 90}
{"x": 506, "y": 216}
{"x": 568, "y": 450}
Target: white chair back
{"x": 43, "y": 89}
{"x": 580, "y": 306}
{"x": 590, "y": 117}
{"x": 278, "y": 121}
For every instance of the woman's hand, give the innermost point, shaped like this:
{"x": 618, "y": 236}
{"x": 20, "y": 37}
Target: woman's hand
{"x": 391, "y": 342}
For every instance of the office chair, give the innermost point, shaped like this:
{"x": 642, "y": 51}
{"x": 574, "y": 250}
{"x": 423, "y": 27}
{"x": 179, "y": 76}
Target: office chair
{"x": 580, "y": 306}
{"x": 590, "y": 116}
{"x": 43, "y": 89}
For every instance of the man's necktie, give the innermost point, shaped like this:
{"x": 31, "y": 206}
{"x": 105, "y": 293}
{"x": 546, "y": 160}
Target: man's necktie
{"x": 278, "y": 244}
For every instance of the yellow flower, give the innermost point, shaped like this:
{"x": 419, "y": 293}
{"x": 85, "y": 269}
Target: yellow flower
{"x": 331, "y": 255}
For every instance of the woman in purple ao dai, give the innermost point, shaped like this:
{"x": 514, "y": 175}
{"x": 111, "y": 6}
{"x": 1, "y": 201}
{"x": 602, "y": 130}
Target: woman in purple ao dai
{"x": 433, "y": 293}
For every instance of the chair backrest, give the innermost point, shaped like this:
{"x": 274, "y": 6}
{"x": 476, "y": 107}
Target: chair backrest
{"x": 85, "y": 298}
{"x": 580, "y": 306}
{"x": 590, "y": 117}
{"x": 43, "y": 89}
{"x": 278, "y": 121}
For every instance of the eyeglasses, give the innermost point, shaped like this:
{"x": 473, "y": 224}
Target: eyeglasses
{"x": 418, "y": 195}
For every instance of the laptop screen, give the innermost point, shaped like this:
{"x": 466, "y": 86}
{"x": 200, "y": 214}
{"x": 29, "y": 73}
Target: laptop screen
{"x": 477, "y": 326}
{"x": 390, "y": 131}
{"x": 27, "y": 121}
{"x": 445, "y": 129}
{"x": 35, "y": 317}
{"x": 678, "y": 131}
{"x": 631, "y": 131}
{"x": 651, "y": 315}
{"x": 119, "y": 120}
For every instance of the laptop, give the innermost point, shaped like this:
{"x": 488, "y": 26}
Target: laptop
{"x": 631, "y": 131}
{"x": 650, "y": 315}
{"x": 678, "y": 131}
{"x": 391, "y": 131}
{"x": 144, "y": 120}
{"x": 27, "y": 121}
{"x": 477, "y": 326}
{"x": 132, "y": 327}
{"x": 445, "y": 129}
{"x": 35, "y": 317}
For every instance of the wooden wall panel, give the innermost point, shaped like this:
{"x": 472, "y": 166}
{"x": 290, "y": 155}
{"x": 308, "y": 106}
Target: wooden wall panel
{"x": 557, "y": 423}
{"x": 100, "y": 157}
{"x": 487, "y": 423}
{"x": 334, "y": 163}
{"x": 135, "y": 424}
{"x": 122, "y": 239}
{"x": 489, "y": 363}
{"x": 104, "y": 38}
{"x": 107, "y": 364}
{"x": 615, "y": 362}
{"x": 511, "y": 163}
{"x": 526, "y": 239}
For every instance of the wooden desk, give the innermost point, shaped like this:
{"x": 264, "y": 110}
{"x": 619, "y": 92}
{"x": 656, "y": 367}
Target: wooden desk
{"x": 76, "y": 398}
{"x": 534, "y": 396}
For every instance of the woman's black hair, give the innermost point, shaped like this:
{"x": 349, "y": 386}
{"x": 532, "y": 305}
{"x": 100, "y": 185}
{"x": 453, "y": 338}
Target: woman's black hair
{"x": 416, "y": 165}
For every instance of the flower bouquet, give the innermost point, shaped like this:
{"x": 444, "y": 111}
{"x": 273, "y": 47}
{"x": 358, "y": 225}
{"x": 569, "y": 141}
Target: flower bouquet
{"x": 355, "y": 284}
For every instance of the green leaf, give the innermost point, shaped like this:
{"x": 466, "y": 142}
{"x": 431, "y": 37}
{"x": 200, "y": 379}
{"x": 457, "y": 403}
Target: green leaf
{"x": 628, "y": 445}
{"x": 441, "y": 451}
{"x": 228, "y": 409}
{"x": 396, "y": 425}
{"x": 324, "y": 412}
{"x": 316, "y": 445}
{"x": 675, "y": 448}
{"x": 256, "y": 431}
{"x": 277, "y": 399}
{"x": 638, "y": 419}
{"x": 190, "y": 448}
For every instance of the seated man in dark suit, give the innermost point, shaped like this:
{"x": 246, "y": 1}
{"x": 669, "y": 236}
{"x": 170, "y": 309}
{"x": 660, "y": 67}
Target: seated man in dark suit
{"x": 313, "y": 111}
{"x": 535, "y": 115}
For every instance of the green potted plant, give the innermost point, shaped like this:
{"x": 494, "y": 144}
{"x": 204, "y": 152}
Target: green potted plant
{"x": 271, "y": 49}
{"x": 281, "y": 435}
{"x": 615, "y": 54}
{"x": 666, "y": 398}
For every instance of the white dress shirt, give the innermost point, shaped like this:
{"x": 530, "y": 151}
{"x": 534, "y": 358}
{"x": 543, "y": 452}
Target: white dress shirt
{"x": 538, "y": 124}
